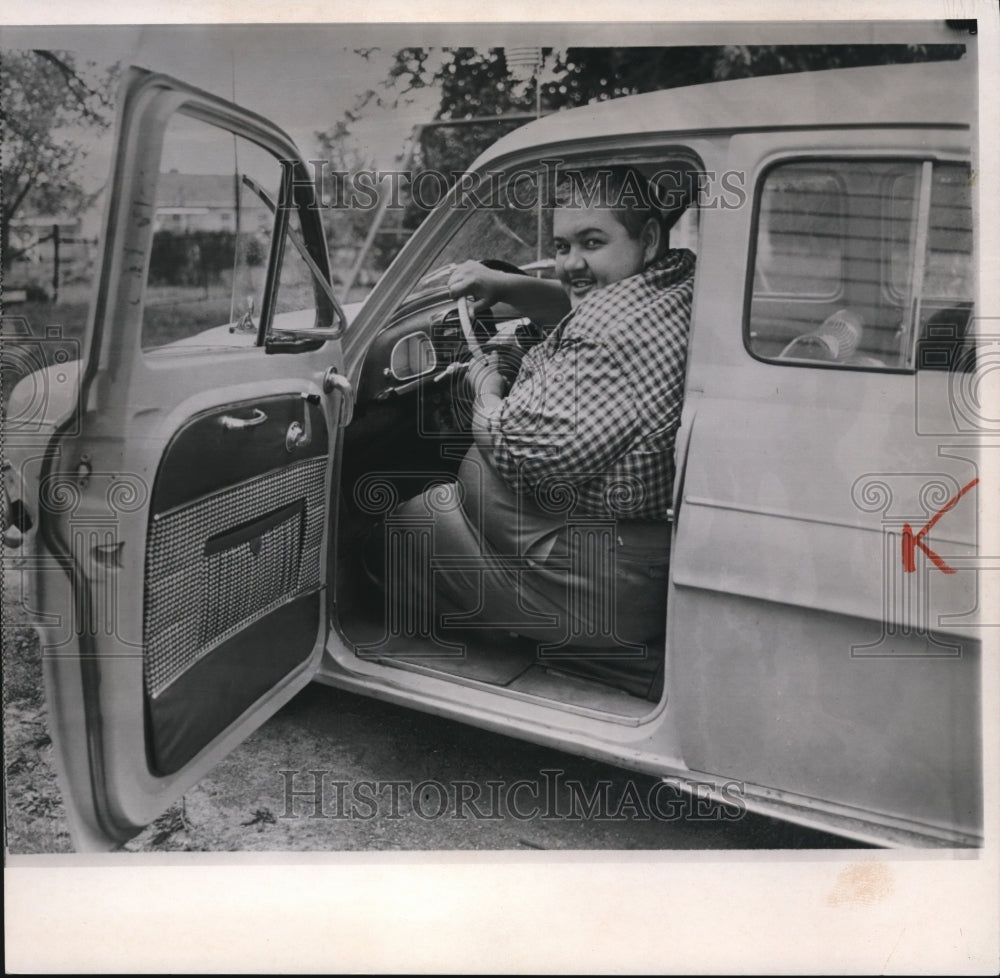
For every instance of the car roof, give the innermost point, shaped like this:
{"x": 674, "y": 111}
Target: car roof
{"x": 938, "y": 93}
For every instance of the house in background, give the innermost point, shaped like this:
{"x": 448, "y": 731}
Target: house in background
{"x": 188, "y": 202}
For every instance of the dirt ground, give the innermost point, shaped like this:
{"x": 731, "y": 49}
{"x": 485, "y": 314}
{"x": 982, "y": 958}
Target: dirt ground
{"x": 326, "y": 737}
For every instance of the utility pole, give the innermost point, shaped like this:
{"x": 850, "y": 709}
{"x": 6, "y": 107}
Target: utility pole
{"x": 55, "y": 263}
{"x": 524, "y": 65}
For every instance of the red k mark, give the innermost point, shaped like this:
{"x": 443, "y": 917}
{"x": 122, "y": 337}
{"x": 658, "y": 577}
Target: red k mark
{"x": 911, "y": 540}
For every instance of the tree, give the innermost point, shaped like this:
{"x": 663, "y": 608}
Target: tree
{"x": 49, "y": 101}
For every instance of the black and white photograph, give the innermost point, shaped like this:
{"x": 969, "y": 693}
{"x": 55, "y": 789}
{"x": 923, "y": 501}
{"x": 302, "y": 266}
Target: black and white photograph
{"x": 527, "y": 443}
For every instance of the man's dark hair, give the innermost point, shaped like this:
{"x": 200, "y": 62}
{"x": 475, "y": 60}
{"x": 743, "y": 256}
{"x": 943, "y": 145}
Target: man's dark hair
{"x": 621, "y": 188}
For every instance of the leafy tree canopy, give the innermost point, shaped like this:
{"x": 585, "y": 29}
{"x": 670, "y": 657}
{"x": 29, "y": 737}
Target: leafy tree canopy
{"x": 46, "y": 95}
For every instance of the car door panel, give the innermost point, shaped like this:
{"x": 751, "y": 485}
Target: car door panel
{"x": 232, "y": 569}
{"x": 183, "y": 515}
{"x": 156, "y": 652}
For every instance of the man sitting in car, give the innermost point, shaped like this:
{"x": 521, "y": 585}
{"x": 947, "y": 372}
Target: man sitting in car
{"x": 557, "y": 527}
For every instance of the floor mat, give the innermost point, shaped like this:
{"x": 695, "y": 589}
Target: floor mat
{"x": 487, "y": 656}
{"x": 572, "y": 691}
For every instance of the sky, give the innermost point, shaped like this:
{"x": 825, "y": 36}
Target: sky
{"x": 301, "y": 77}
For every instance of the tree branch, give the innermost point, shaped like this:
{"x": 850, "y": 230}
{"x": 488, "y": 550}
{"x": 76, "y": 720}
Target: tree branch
{"x": 75, "y": 82}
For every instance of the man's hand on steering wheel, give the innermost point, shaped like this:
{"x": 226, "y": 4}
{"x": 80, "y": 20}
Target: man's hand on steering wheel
{"x": 483, "y": 284}
{"x": 477, "y": 286}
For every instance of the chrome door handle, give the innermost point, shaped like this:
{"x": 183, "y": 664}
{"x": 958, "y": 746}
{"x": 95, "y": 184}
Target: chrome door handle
{"x": 236, "y": 424}
{"x": 333, "y": 381}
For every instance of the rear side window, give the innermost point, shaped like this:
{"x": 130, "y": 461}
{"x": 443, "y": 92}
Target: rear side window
{"x": 800, "y": 234}
{"x": 863, "y": 265}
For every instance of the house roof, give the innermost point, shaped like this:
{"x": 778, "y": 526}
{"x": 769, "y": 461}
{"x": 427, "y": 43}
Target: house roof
{"x": 201, "y": 190}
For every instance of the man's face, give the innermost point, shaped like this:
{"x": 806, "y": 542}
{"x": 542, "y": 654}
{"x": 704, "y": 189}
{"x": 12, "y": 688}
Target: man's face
{"x": 593, "y": 249}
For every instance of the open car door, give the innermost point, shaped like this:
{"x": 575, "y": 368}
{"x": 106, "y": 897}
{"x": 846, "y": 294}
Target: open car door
{"x": 184, "y": 497}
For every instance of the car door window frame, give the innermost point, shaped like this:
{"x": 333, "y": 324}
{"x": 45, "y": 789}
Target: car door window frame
{"x": 296, "y": 192}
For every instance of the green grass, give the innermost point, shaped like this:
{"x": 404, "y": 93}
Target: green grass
{"x": 57, "y": 330}
{"x": 174, "y": 316}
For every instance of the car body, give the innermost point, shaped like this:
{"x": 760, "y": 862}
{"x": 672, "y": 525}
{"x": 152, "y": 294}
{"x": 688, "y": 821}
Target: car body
{"x": 195, "y": 507}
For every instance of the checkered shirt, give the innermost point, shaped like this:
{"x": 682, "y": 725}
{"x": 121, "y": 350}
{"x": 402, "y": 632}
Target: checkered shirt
{"x": 592, "y": 415}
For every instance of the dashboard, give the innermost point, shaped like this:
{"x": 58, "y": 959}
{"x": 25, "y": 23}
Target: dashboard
{"x": 423, "y": 344}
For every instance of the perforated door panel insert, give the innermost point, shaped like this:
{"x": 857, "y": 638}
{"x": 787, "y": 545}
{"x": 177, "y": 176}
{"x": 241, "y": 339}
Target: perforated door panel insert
{"x": 225, "y": 561}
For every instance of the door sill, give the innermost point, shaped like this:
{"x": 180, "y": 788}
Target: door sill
{"x": 495, "y": 661}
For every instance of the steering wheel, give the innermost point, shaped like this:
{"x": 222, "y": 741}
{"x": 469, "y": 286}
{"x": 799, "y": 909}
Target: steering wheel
{"x": 467, "y": 317}
{"x": 467, "y": 313}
